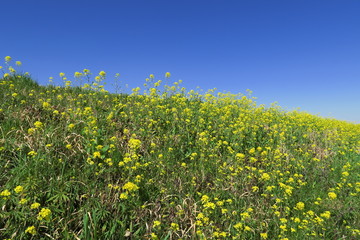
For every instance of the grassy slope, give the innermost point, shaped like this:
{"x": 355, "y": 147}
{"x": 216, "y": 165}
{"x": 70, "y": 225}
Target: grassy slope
{"x": 113, "y": 166}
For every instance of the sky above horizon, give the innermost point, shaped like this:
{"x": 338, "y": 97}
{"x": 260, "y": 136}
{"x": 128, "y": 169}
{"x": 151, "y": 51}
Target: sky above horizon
{"x": 301, "y": 54}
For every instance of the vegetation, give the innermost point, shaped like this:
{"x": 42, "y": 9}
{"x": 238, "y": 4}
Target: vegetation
{"x": 81, "y": 163}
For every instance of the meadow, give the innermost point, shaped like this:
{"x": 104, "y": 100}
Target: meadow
{"x": 163, "y": 162}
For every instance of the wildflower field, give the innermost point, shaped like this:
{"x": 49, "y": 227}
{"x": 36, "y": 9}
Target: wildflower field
{"x": 163, "y": 162}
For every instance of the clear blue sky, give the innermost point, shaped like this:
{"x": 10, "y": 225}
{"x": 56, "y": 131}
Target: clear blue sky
{"x": 300, "y": 53}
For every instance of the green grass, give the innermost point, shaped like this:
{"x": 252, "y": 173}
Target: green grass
{"x": 170, "y": 164}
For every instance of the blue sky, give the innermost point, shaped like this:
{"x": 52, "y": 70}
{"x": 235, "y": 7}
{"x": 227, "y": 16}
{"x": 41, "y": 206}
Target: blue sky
{"x": 302, "y": 54}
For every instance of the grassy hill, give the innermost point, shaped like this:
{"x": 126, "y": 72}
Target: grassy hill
{"x": 81, "y": 163}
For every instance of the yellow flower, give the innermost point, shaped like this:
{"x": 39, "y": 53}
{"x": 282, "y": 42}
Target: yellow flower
{"x": 19, "y": 189}
{"x": 77, "y": 74}
{"x": 175, "y": 226}
{"x": 251, "y": 151}
{"x": 123, "y": 196}
{"x": 325, "y": 214}
{"x": 102, "y": 73}
{"x": 35, "y": 205}
{"x": 265, "y": 176}
{"x": 44, "y": 214}
{"x": 32, "y": 153}
{"x": 23, "y": 201}
{"x": 204, "y": 198}
{"x": 167, "y": 75}
{"x": 332, "y": 195}
{"x": 97, "y": 154}
{"x": 300, "y": 206}
{"x": 156, "y": 224}
{"x": 7, "y": 59}
{"x": 154, "y": 236}
{"x": 247, "y": 228}
{"x": 38, "y": 124}
{"x": 46, "y": 105}
{"x": 5, "y": 194}
{"x": 31, "y": 230}
{"x": 129, "y": 186}
{"x": 240, "y": 155}
{"x": 134, "y": 143}
{"x": 264, "y": 235}
{"x": 238, "y": 226}
{"x": 61, "y": 74}
{"x": 18, "y": 63}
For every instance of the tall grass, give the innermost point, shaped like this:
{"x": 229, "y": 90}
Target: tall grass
{"x": 82, "y": 163}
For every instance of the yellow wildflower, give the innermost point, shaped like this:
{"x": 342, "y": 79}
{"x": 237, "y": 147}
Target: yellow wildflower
{"x": 38, "y": 124}
{"x": 175, "y": 226}
{"x": 332, "y": 195}
{"x": 123, "y": 196}
{"x": 35, "y": 205}
{"x": 5, "y": 194}
{"x": 19, "y": 189}
{"x": 156, "y": 224}
{"x": 300, "y": 206}
{"x": 129, "y": 186}
{"x": 264, "y": 235}
{"x": 31, "y": 230}
{"x": 44, "y": 214}
{"x": 97, "y": 154}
